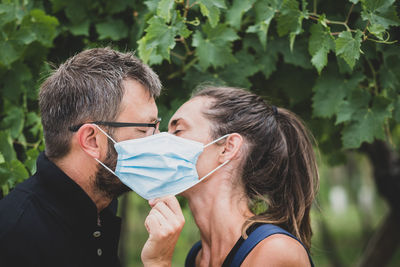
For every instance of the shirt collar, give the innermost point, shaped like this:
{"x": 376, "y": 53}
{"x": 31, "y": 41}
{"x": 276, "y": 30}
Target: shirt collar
{"x": 67, "y": 198}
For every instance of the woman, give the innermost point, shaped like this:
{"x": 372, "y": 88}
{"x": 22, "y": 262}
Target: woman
{"x": 266, "y": 174}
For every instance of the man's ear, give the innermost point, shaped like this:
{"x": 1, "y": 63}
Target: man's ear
{"x": 89, "y": 139}
{"x": 232, "y": 147}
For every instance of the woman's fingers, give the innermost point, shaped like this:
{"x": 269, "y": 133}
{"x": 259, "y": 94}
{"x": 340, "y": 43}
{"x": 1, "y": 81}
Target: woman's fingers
{"x": 173, "y": 204}
{"x": 164, "y": 224}
{"x": 173, "y": 217}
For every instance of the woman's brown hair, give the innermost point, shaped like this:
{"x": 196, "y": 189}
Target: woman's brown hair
{"x": 280, "y": 169}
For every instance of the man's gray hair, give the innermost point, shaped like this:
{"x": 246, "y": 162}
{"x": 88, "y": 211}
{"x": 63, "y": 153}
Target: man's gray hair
{"x": 88, "y": 87}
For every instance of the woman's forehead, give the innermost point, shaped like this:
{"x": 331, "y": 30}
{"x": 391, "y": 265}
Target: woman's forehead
{"x": 192, "y": 110}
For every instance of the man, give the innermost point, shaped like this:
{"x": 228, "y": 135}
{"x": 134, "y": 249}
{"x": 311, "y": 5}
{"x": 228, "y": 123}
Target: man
{"x": 64, "y": 215}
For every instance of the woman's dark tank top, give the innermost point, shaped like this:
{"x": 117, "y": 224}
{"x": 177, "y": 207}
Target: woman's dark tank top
{"x": 243, "y": 247}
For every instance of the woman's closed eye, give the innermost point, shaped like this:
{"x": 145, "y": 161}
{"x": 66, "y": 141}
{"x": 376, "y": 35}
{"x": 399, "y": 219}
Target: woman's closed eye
{"x": 178, "y": 130}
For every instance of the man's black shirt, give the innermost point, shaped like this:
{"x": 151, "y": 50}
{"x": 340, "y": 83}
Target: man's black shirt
{"x": 48, "y": 220}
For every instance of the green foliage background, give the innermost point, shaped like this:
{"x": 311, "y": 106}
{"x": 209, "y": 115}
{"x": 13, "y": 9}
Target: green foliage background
{"x": 335, "y": 63}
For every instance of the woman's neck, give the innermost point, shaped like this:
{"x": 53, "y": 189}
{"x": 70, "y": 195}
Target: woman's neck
{"x": 219, "y": 213}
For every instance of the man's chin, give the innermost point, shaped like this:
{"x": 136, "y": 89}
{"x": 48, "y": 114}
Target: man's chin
{"x": 111, "y": 186}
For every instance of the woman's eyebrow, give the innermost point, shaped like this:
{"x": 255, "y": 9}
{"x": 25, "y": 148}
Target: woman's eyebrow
{"x": 174, "y": 122}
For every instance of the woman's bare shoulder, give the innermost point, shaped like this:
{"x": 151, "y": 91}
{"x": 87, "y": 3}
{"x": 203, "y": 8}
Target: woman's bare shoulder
{"x": 278, "y": 250}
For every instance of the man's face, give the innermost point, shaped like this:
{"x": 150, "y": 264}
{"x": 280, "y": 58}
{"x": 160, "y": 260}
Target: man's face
{"x": 138, "y": 107}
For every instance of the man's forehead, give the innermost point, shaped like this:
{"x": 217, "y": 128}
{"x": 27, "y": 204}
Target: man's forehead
{"x": 137, "y": 103}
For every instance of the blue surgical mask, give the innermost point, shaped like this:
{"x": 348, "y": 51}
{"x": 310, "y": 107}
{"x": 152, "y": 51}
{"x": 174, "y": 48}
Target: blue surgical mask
{"x": 159, "y": 165}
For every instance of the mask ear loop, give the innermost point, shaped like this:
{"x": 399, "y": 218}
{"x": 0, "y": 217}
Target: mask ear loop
{"x": 216, "y": 169}
{"x": 101, "y": 130}
{"x": 101, "y": 163}
{"x": 216, "y": 140}
{"x": 220, "y": 166}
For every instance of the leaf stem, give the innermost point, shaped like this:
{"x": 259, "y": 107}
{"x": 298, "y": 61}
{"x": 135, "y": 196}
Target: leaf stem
{"x": 187, "y": 7}
{"x": 194, "y": 3}
{"x": 192, "y": 62}
{"x": 338, "y": 23}
{"x": 365, "y": 30}
{"x": 373, "y": 72}
{"x": 183, "y": 70}
{"x": 348, "y": 14}
{"x": 389, "y": 135}
{"x": 188, "y": 51}
{"x": 34, "y": 145}
{"x": 315, "y": 7}
{"x": 177, "y": 55}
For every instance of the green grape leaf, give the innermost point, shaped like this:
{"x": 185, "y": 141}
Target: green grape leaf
{"x": 389, "y": 73}
{"x": 290, "y": 20}
{"x": 329, "y": 94}
{"x": 381, "y": 15}
{"x": 114, "y": 29}
{"x": 266, "y": 59}
{"x": 358, "y": 100}
{"x": 367, "y": 124}
{"x": 40, "y": 26}
{"x": 264, "y": 14}
{"x": 299, "y": 56}
{"x": 7, "y": 13}
{"x": 76, "y": 11}
{"x": 81, "y": 28}
{"x": 236, "y": 75}
{"x": 18, "y": 80}
{"x": 195, "y": 76}
{"x": 160, "y": 38}
{"x": 30, "y": 162}
{"x": 14, "y": 120}
{"x": 348, "y": 47}
{"x": 320, "y": 43}
{"x": 211, "y": 10}
{"x": 148, "y": 53}
{"x": 164, "y": 9}
{"x": 117, "y": 6}
{"x": 2, "y": 160}
{"x": 6, "y": 146}
{"x": 235, "y": 12}
{"x": 34, "y": 123}
{"x": 152, "y": 5}
{"x": 215, "y": 49}
{"x": 385, "y": 18}
{"x": 396, "y": 111}
{"x": 376, "y": 5}
{"x": 4, "y": 174}
{"x": 13, "y": 172}
{"x": 9, "y": 52}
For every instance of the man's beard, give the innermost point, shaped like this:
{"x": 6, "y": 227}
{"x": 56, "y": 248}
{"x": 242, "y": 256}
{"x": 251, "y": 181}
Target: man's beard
{"x": 106, "y": 182}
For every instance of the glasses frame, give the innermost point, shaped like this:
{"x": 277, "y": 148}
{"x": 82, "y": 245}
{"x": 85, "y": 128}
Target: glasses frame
{"x": 155, "y": 125}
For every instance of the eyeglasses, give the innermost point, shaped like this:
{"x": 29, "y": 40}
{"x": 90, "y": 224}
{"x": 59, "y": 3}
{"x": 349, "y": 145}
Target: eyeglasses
{"x": 155, "y": 125}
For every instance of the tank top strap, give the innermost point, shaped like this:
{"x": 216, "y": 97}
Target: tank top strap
{"x": 256, "y": 236}
{"x": 260, "y": 233}
{"x": 191, "y": 257}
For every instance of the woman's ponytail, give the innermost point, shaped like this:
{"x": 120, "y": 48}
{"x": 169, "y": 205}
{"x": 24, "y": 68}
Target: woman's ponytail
{"x": 293, "y": 176}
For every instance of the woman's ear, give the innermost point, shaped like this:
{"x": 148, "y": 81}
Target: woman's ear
{"x": 89, "y": 139}
{"x": 232, "y": 147}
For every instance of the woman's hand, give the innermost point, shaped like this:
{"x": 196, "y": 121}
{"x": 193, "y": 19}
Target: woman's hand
{"x": 164, "y": 224}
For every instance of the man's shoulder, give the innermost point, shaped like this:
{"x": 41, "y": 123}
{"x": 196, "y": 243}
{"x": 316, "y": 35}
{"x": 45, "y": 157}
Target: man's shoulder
{"x": 18, "y": 207}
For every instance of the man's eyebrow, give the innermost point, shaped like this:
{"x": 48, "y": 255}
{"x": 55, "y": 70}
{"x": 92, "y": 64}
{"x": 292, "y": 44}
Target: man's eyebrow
{"x": 153, "y": 119}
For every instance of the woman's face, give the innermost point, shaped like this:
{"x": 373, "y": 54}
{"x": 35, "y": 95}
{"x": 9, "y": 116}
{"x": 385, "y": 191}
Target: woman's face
{"x": 190, "y": 123}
